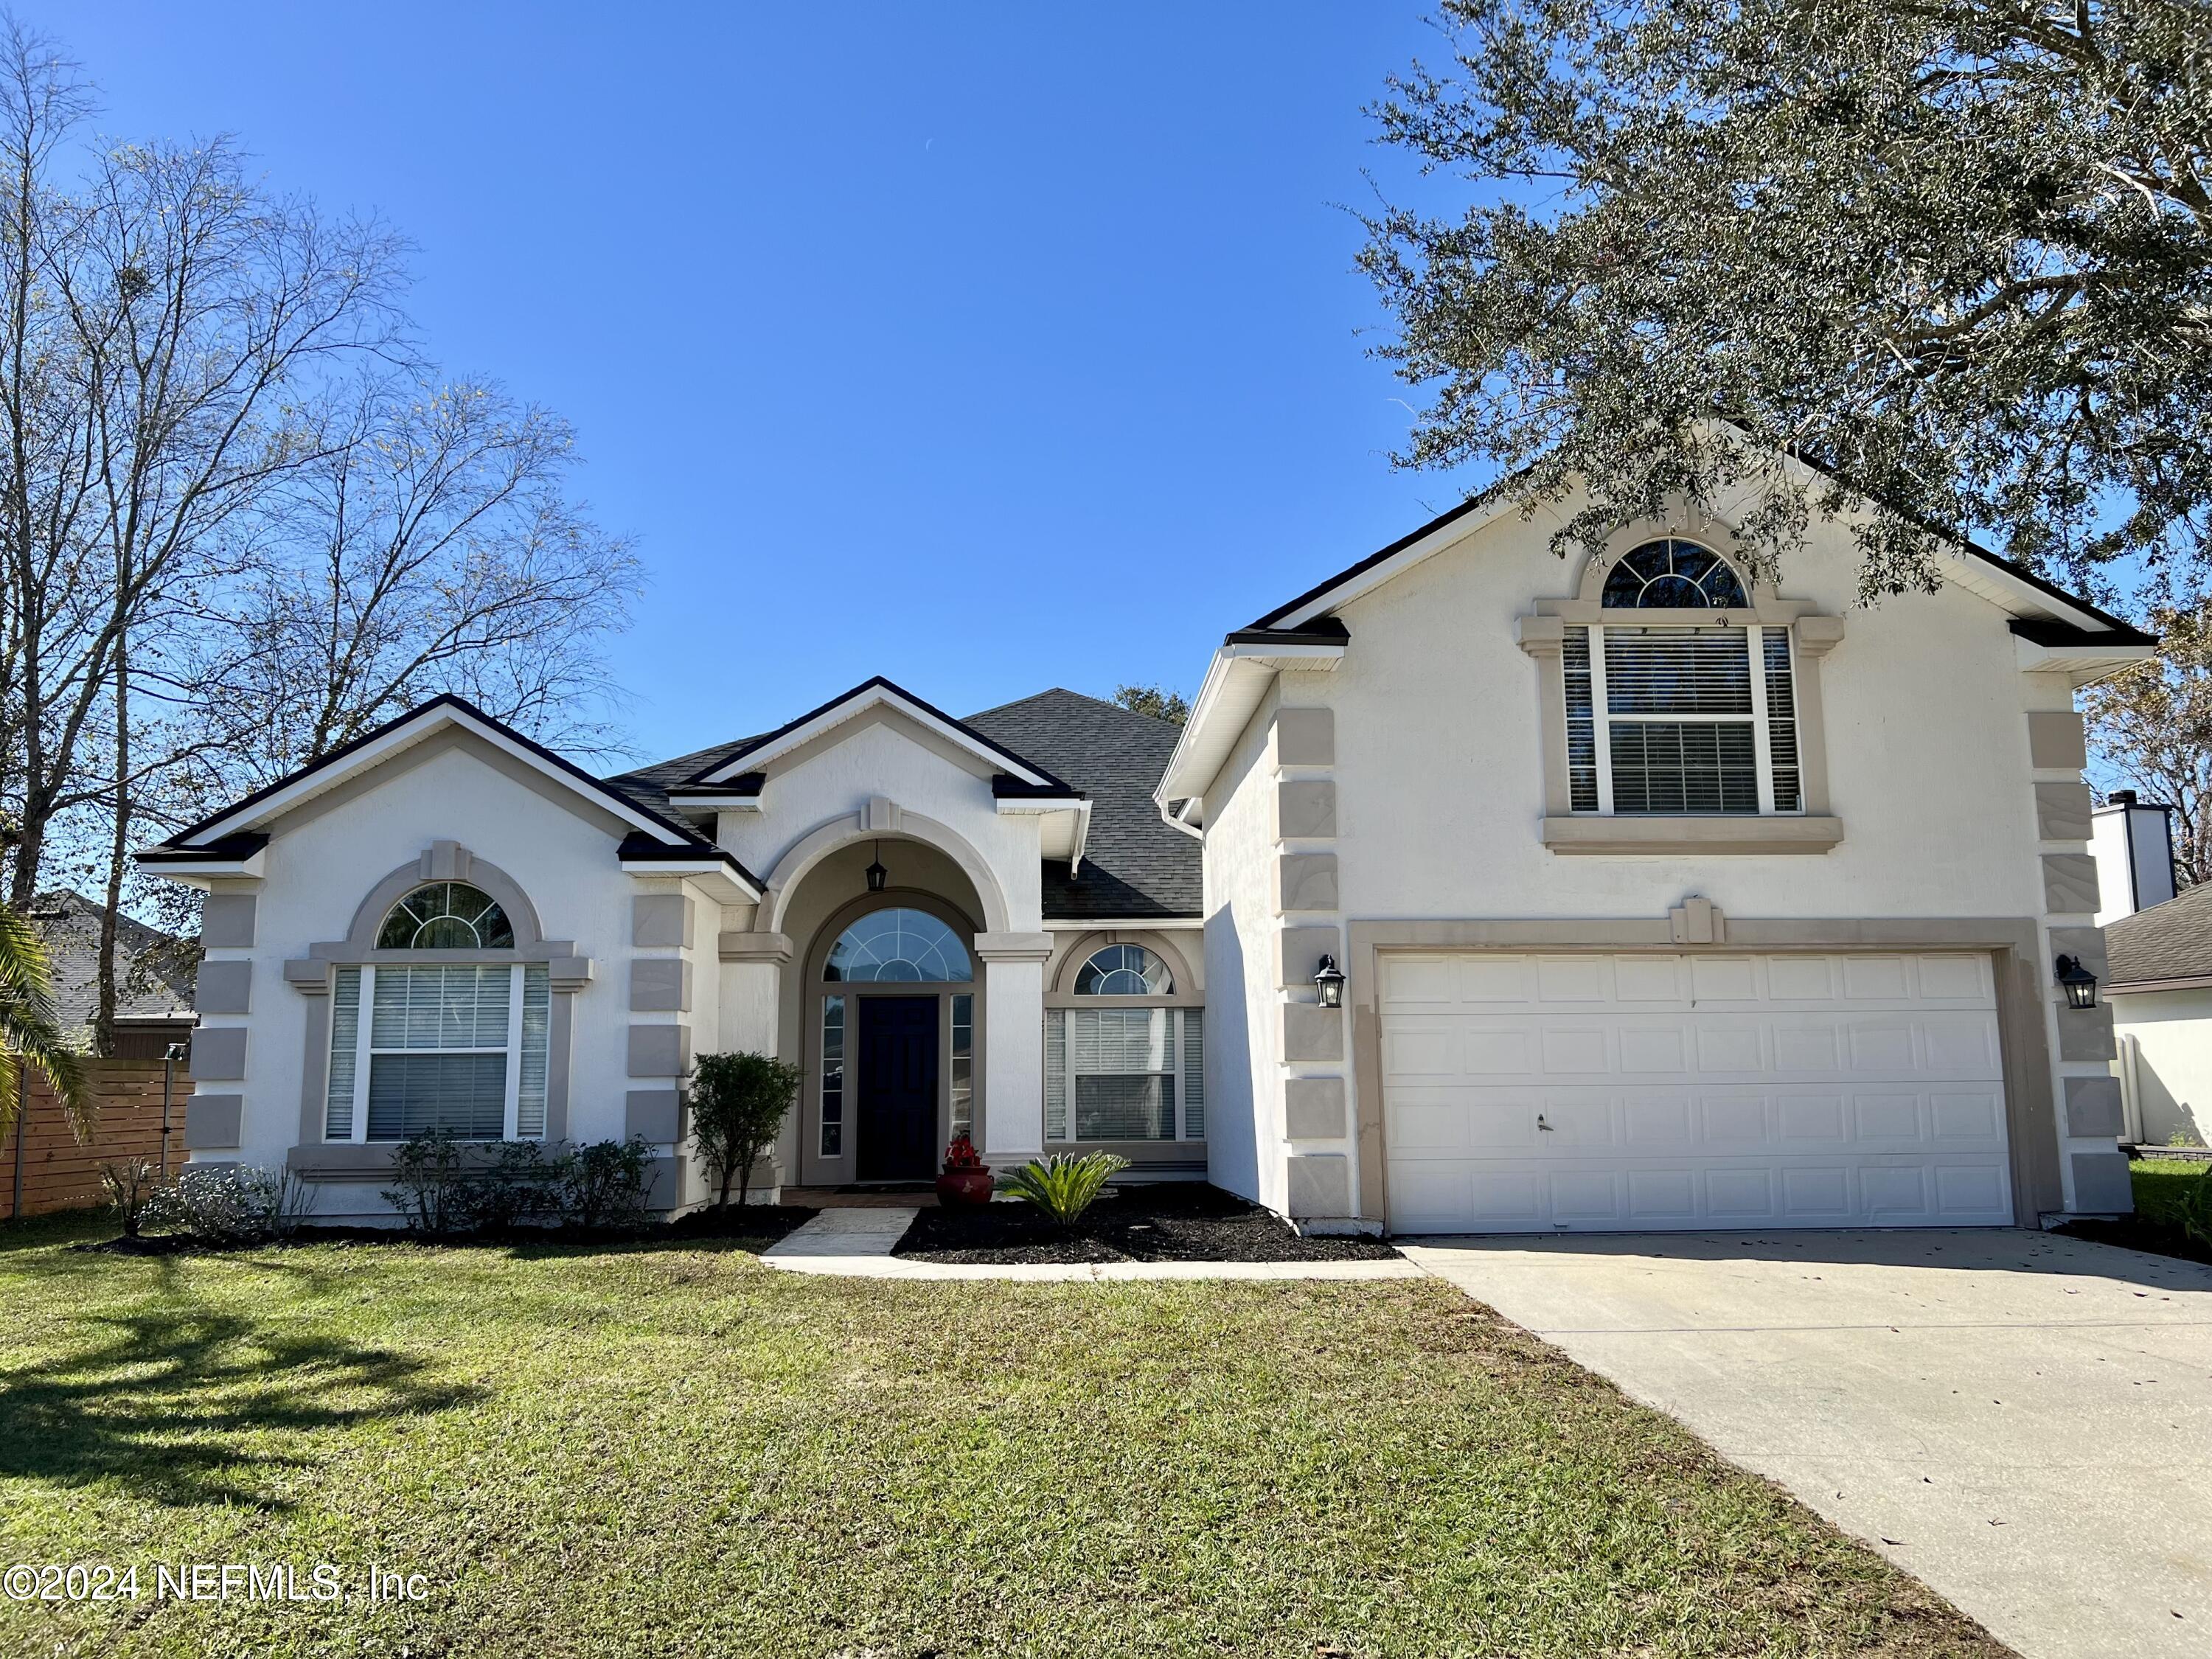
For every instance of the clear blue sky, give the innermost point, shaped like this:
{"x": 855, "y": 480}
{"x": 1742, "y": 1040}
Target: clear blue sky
{"x": 987, "y": 347}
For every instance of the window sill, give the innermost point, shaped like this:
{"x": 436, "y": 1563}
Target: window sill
{"x": 1591, "y": 836}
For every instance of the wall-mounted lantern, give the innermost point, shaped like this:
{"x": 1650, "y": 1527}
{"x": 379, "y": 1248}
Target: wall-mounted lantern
{"x": 877, "y": 874}
{"x": 1330, "y": 982}
{"x": 2077, "y": 981}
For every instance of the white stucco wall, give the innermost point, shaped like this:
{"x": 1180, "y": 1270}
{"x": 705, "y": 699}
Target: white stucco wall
{"x": 2170, "y": 1074}
{"x": 1243, "y": 1068}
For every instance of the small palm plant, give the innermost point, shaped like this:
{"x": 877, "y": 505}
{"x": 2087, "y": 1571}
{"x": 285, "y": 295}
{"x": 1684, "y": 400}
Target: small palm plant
{"x": 1062, "y": 1186}
{"x": 29, "y": 1030}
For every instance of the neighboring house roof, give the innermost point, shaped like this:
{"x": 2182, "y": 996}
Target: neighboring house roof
{"x": 153, "y": 969}
{"x": 1134, "y": 864}
{"x": 2169, "y": 941}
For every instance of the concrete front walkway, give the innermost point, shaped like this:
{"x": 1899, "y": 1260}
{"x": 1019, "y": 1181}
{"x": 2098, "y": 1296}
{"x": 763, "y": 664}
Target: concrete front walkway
{"x": 2021, "y": 1421}
{"x": 857, "y": 1244}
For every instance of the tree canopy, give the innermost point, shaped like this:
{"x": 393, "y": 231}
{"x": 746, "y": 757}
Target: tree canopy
{"x": 1955, "y": 256}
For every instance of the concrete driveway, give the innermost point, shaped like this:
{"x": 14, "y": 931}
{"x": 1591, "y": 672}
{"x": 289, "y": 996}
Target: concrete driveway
{"x": 2023, "y": 1422}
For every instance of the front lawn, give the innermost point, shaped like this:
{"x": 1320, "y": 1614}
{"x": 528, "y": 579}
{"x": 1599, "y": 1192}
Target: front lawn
{"x": 668, "y": 1448}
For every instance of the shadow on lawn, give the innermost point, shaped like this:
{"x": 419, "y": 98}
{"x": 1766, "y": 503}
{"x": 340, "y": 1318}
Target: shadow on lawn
{"x": 180, "y": 1406}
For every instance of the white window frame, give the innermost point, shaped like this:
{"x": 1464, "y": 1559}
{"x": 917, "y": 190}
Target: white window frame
{"x": 364, "y": 1052}
{"x": 1762, "y": 741}
{"x": 1182, "y": 1015}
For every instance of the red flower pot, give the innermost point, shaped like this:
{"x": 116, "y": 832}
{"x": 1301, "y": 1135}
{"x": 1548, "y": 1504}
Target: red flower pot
{"x": 957, "y": 1187}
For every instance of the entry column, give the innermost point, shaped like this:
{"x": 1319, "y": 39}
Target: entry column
{"x": 1013, "y": 1043}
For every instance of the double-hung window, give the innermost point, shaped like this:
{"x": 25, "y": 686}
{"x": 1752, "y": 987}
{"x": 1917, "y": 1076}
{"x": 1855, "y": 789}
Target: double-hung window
{"x": 460, "y": 1046}
{"x": 1118, "y": 1070}
{"x": 1684, "y": 712}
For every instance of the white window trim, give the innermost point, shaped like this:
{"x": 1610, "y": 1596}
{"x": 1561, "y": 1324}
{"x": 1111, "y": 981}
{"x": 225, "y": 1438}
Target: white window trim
{"x": 1179, "y": 1074}
{"x": 364, "y": 1052}
{"x": 1762, "y": 737}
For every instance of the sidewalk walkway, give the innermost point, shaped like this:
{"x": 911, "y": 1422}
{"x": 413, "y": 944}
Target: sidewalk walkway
{"x": 857, "y": 1244}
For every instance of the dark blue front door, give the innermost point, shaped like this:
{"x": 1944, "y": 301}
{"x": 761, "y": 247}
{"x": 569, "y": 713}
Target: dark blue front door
{"x": 898, "y": 1107}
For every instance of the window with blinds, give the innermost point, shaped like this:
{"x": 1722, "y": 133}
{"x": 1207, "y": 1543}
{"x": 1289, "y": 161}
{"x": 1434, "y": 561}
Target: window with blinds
{"x": 1125, "y": 1074}
{"x": 465, "y": 1049}
{"x": 1685, "y": 720}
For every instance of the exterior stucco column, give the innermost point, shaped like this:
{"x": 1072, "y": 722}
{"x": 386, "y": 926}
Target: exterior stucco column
{"x": 751, "y": 1014}
{"x": 1013, "y": 1043}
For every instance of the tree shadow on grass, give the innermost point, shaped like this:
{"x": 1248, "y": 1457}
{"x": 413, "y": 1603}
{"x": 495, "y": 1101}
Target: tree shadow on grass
{"x": 187, "y": 1407}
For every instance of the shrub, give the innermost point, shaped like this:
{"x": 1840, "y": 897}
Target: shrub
{"x": 233, "y": 1202}
{"x": 130, "y": 1183}
{"x": 603, "y": 1184}
{"x": 432, "y": 1172}
{"x": 1064, "y": 1187}
{"x": 737, "y": 1102}
{"x": 510, "y": 1182}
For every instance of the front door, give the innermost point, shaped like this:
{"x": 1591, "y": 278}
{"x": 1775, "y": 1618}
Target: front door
{"x": 897, "y": 1107}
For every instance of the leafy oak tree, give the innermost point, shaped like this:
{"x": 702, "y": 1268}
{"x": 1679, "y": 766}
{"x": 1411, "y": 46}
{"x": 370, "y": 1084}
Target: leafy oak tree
{"x": 1156, "y": 700}
{"x": 1953, "y": 256}
{"x": 2150, "y": 729}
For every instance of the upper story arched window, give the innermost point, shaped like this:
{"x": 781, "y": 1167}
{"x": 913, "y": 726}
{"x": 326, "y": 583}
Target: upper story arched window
{"x": 1672, "y": 575}
{"x": 1124, "y": 970}
{"x": 446, "y": 915}
{"x": 901, "y": 946}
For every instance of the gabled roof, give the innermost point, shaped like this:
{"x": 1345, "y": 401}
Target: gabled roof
{"x": 237, "y": 832}
{"x": 2169, "y": 941}
{"x": 1133, "y": 866}
{"x": 153, "y": 969}
{"x": 756, "y": 754}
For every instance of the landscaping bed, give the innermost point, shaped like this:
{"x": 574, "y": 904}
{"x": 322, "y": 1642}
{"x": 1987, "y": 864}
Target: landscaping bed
{"x": 2159, "y": 1185}
{"x": 755, "y": 1223}
{"x": 1172, "y": 1221}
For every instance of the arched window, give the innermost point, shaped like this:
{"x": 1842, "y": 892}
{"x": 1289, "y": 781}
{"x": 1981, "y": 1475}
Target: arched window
{"x": 1672, "y": 575}
{"x": 899, "y": 947}
{"x": 1124, "y": 970}
{"x": 446, "y": 915}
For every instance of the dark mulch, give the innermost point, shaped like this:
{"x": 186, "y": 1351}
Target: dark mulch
{"x": 764, "y": 1222}
{"x": 1174, "y": 1221}
{"x": 2136, "y": 1233}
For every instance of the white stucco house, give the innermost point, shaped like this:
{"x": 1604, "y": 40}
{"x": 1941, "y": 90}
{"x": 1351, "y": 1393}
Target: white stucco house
{"x": 2159, "y": 946}
{"x": 1664, "y": 898}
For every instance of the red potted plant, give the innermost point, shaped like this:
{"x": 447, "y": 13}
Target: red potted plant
{"x": 967, "y": 1179}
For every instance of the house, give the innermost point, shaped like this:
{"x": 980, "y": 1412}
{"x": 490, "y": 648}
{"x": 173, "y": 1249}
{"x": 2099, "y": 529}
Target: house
{"x": 154, "y": 976}
{"x": 2161, "y": 980}
{"x": 1662, "y": 898}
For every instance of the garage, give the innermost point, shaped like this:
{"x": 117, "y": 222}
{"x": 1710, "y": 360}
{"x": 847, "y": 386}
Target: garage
{"x": 1594, "y": 1092}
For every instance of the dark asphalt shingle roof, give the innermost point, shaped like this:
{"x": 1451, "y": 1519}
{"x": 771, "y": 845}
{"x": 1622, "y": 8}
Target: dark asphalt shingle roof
{"x": 2172, "y": 941}
{"x": 153, "y": 969}
{"x": 1134, "y": 864}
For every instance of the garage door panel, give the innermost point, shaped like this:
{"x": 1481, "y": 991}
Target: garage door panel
{"x": 1803, "y": 1090}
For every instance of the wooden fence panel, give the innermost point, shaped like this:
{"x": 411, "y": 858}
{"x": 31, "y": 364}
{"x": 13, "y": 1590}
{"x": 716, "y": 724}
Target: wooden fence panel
{"x": 61, "y": 1173}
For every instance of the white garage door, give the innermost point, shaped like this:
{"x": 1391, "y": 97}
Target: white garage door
{"x": 1541, "y": 1093}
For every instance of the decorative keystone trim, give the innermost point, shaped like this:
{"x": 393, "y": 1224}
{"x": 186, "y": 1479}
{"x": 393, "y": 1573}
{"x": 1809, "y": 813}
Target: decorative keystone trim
{"x": 660, "y": 1050}
{"x": 211, "y": 1122}
{"x": 1014, "y": 947}
{"x": 2069, "y": 884}
{"x": 1321, "y": 1185}
{"x": 1311, "y": 1032}
{"x": 656, "y": 1114}
{"x": 227, "y": 921}
{"x": 1306, "y": 736}
{"x": 1592, "y": 836}
{"x": 1313, "y": 1109}
{"x": 2083, "y": 1033}
{"x": 224, "y": 987}
{"x": 1305, "y": 809}
{"x": 219, "y": 1053}
{"x": 1305, "y": 881}
{"x": 754, "y": 947}
{"x": 2062, "y": 812}
{"x": 2093, "y": 1106}
{"x": 1697, "y": 921}
{"x": 2056, "y": 741}
{"x": 661, "y": 921}
{"x": 659, "y": 985}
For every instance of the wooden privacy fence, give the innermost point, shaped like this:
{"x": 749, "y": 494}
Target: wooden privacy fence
{"x": 44, "y": 1167}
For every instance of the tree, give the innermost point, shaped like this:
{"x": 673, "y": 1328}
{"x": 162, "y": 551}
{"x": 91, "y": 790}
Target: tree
{"x": 737, "y": 1103}
{"x": 29, "y": 1032}
{"x": 1953, "y": 256}
{"x": 2150, "y": 728}
{"x": 1156, "y": 701}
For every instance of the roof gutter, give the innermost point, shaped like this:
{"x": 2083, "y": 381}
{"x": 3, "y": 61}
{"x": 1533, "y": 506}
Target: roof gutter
{"x": 1236, "y": 683}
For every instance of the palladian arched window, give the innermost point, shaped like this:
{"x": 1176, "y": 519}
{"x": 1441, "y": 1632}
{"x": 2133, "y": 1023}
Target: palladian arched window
{"x": 446, "y": 915}
{"x": 1124, "y": 970}
{"x": 1672, "y": 575}
{"x": 899, "y": 947}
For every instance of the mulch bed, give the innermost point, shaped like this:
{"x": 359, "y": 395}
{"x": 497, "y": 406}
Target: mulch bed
{"x": 753, "y": 1221}
{"x": 2135, "y": 1233}
{"x": 1174, "y": 1221}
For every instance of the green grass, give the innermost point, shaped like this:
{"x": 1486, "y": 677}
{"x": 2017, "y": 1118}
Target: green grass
{"x": 2159, "y": 1184}
{"x": 673, "y": 1450}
